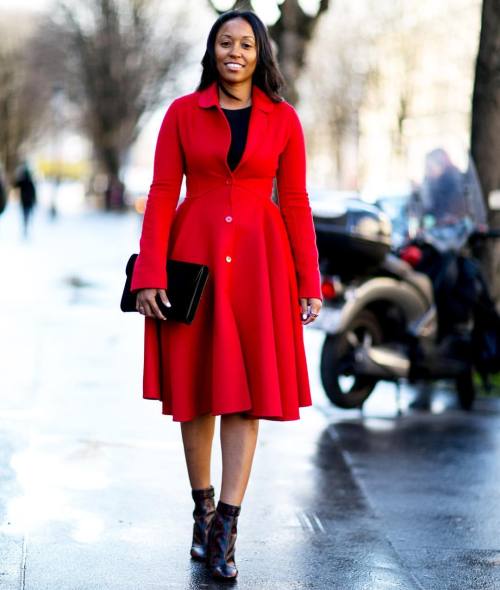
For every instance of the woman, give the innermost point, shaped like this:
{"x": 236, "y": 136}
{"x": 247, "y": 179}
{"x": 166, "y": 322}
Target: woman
{"x": 3, "y": 193}
{"x": 27, "y": 194}
{"x": 243, "y": 355}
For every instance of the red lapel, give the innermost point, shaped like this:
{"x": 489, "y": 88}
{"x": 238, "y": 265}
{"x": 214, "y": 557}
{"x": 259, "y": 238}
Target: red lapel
{"x": 257, "y": 126}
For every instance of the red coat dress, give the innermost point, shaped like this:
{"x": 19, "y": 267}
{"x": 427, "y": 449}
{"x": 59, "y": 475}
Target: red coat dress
{"x": 244, "y": 351}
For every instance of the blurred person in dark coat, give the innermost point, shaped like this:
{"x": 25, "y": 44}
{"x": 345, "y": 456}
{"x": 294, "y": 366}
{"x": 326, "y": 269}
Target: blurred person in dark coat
{"x": 3, "y": 193}
{"x": 27, "y": 194}
{"x": 442, "y": 190}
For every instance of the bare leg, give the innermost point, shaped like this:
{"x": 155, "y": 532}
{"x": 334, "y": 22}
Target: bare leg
{"x": 238, "y": 440}
{"x": 197, "y": 436}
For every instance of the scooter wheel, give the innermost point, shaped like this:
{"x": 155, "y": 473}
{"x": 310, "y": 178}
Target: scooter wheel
{"x": 466, "y": 390}
{"x": 342, "y": 386}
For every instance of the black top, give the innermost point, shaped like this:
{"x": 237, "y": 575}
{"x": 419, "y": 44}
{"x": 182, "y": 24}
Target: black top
{"x": 238, "y": 120}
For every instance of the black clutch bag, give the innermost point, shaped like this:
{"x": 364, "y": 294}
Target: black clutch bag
{"x": 186, "y": 281}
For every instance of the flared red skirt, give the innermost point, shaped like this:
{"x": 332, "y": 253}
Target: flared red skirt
{"x": 244, "y": 351}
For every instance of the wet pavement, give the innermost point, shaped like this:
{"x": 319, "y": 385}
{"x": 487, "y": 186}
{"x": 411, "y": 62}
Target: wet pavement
{"x": 93, "y": 489}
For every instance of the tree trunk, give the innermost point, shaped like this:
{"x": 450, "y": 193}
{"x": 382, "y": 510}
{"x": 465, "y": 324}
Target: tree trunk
{"x": 485, "y": 126}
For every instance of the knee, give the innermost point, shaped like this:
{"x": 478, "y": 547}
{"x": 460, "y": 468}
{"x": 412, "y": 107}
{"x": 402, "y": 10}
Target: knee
{"x": 240, "y": 420}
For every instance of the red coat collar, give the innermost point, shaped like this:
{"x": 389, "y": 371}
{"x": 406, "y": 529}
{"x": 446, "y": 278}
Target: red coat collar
{"x": 209, "y": 97}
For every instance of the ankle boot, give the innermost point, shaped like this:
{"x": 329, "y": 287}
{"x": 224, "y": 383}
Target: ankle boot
{"x": 203, "y": 514}
{"x": 221, "y": 541}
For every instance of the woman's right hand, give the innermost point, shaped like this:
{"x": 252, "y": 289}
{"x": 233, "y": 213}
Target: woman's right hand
{"x": 146, "y": 302}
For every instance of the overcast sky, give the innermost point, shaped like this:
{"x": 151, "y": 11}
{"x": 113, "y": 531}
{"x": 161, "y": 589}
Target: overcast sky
{"x": 39, "y": 5}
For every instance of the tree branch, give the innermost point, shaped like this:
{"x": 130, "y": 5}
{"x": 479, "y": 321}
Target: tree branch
{"x": 238, "y": 4}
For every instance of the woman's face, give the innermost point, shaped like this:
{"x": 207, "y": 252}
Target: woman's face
{"x": 235, "y": 51}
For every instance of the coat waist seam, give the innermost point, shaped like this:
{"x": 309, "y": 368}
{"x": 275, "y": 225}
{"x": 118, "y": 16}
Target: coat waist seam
{"x": 224, "y": 188}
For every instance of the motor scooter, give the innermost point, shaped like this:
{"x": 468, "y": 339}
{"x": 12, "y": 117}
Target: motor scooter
{"x": 404, "y": 313}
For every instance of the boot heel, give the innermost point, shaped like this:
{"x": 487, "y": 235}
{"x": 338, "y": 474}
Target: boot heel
{"x": 221, "y": 542}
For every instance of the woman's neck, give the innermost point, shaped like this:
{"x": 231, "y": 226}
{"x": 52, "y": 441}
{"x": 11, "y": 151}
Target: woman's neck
{"x": 242, "y": 91}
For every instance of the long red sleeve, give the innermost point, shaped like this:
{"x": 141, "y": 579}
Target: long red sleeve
{"x": 150, "y": 267}
{"x": 296, "y": 210}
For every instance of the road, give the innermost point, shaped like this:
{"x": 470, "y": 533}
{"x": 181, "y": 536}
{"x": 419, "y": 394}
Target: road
{"x": 93, "y": 489}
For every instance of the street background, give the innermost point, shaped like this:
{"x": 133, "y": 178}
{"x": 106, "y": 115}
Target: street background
{"x": 93, "y": 486}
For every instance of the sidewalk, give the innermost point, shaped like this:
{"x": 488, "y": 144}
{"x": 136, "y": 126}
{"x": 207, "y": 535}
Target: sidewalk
{"x": 93, "y": 489}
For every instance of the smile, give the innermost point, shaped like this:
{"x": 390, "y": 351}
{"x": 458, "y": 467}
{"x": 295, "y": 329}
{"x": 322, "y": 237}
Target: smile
{"x": 233, "y": 66}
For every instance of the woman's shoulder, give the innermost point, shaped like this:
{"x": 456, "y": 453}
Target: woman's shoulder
{"x": 285, "y": 108}
{"x": 288, "y": 115}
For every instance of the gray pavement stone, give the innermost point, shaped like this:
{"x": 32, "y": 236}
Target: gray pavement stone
{"x": 433, "y": 479}
{"x": 12, "y": 546}
{"x": 12, "y": 562}
{"x": 454, "y": 569}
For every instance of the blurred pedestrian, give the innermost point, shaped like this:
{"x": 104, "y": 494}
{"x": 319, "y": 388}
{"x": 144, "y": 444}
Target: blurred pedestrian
{"x": 442, "y": 191}
{"x": 27, "y": 194}
{"x": 114, "y": 194}
{"x": 3, "y": 193}
{"x": 243, "y": 356}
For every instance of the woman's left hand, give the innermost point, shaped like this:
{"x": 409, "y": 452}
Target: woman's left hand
{"x": 309, "y": 315}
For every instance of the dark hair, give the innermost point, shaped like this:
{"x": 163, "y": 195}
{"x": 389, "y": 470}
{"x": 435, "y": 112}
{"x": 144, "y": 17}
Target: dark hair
{"x": 266, "y": 76}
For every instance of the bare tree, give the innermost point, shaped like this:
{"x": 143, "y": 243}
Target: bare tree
{"x": 339, "y": 76}
{"x": 114, "y": 60}
{"x": 485, "y": 127}
{"x": 291, "y": 32}
{"x": 336, "y": 100}
{"x": 24, "y": 97}
{"x": 13, "y": 127}
{"x": 405, "y": 47}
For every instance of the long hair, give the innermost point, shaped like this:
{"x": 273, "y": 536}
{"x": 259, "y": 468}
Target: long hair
{"x": 266, "y": 76}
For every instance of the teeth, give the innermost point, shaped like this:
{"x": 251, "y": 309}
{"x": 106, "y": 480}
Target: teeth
{"x": 232, "y": 66}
